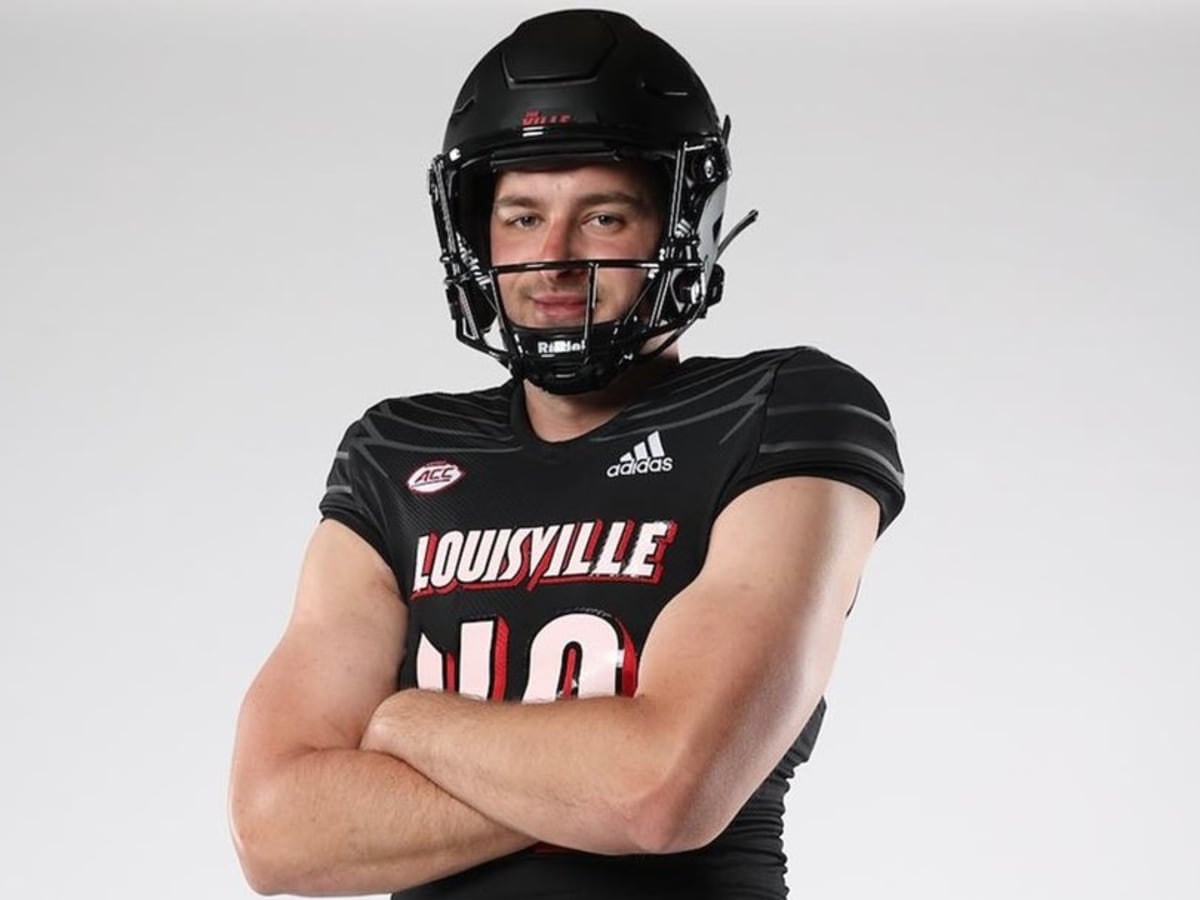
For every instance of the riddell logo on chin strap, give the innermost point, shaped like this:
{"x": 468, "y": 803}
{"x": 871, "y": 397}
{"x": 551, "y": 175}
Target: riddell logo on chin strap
{"x": 559, "y": 346}
{"x": 646, "y": 458}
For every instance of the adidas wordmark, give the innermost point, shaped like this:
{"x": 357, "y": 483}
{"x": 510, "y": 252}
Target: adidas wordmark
{"x": 646, "y": 457}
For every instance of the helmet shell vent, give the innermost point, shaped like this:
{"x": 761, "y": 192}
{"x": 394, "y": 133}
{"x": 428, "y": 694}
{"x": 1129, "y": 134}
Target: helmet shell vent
{"x": 557, "y": 47}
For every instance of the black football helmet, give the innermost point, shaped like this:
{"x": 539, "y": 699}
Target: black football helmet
{"x": 568, "y": 88}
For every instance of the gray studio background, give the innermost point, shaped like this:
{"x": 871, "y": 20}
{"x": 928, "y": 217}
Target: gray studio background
{"x": 216, "y": 251}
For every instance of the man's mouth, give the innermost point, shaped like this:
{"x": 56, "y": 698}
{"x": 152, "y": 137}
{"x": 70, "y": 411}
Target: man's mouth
{"x": 560, "y": 307}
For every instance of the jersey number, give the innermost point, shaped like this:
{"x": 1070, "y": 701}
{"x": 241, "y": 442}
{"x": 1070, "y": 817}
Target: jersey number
{"x": 576, "y": 654}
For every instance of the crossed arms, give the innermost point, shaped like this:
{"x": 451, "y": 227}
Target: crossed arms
{"x": 341, "y": 786}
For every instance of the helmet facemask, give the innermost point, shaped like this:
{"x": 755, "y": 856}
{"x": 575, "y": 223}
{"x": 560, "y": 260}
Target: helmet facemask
{"x": 681, "y": 279}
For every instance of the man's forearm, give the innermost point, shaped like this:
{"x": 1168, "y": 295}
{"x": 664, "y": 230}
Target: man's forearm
{"x": 356, "y": 822}
{"x": 577, "y": 773}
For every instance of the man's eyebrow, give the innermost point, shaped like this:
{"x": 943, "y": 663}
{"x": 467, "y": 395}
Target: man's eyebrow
{"x": 514, "y": 200}
{"x": 594, "y": 199}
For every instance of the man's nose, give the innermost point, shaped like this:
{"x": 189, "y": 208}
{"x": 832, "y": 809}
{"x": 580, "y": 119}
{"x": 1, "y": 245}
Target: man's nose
{"x": 559, "y": 243}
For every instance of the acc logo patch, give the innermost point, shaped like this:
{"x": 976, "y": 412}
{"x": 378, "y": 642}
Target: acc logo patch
{"x": 434, "y": 476}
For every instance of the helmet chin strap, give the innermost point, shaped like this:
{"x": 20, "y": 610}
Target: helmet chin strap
{"x": 557, "y": 360}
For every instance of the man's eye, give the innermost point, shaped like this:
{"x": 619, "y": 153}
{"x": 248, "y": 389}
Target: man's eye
{"x": 606, "y": 220}
{"x": 525, "y": 221}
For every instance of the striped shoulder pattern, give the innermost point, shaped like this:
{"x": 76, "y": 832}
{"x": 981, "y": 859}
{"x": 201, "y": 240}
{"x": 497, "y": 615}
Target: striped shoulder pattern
{"x": 824, "y": 418}
{"x": 357, "y": 491}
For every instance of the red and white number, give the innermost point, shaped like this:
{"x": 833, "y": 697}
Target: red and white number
{"x": 576, "y": 654}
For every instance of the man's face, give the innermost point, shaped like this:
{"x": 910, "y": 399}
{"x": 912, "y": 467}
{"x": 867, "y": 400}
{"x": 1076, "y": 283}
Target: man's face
{"x": 604, "y": 211}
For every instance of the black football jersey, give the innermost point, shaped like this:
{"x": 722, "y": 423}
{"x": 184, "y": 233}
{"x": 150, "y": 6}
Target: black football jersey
{"x": 534, "y": 570}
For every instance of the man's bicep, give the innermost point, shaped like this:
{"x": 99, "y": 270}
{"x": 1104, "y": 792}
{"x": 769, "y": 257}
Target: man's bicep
{"x": 338, "y": 658}
{"x": 737, "y": 662}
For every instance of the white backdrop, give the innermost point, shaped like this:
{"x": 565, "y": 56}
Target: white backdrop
{"x": 217, "y": 250}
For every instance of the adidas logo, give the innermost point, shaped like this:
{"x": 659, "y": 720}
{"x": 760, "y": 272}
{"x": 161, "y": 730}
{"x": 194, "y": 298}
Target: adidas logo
{"x": 647, "y": 456}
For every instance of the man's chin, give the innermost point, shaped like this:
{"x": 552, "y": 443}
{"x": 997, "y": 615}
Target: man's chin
{"x": 556, "y": 322}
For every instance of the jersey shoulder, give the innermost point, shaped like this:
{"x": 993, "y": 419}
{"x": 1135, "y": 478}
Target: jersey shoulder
{"x": 779, "y": 361}
{"x": 779, "y": 378}
{"x": 439, "y": 419}
{"x": 382, "y": 447}
{"x": 819, "y": 416}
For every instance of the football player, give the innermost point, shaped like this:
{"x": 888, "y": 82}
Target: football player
{"x": 568, "y": 637}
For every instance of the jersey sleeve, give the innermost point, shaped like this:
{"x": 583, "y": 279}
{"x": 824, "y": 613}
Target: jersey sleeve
{"x": 352, "y": 495}
{"x": 823, "y": 418}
